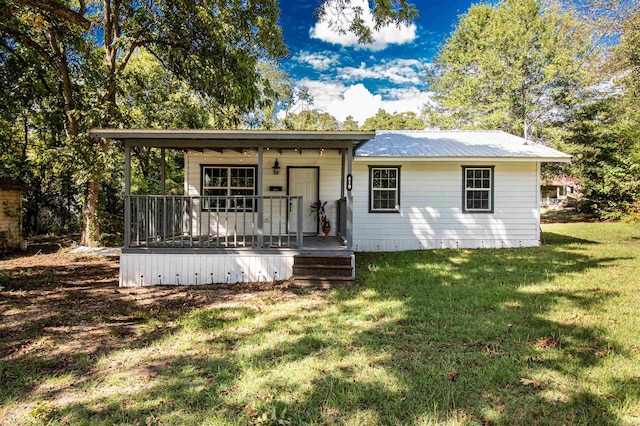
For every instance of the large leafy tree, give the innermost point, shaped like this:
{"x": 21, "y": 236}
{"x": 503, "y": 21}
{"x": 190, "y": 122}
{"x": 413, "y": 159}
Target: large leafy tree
{"x": 213, "y": 46}
{"x": 605, "y": 133}
{"x": 515, "y": 66}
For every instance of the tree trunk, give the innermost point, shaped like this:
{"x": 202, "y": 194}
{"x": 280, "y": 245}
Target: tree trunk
{"x": 90, "y": 224}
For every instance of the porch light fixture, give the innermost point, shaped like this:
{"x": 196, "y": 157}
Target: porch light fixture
{"x": 276, "y": 167}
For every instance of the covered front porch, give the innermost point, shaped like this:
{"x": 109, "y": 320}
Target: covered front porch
{"x": 247, "y": 198}
{"x": 170, "y": 221}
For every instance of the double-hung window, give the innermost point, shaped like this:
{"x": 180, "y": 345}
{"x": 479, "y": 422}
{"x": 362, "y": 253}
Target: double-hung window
{"x": 384, "y": 189}
{"x": 233, "y": 188}
{"x": 478, "y": 189}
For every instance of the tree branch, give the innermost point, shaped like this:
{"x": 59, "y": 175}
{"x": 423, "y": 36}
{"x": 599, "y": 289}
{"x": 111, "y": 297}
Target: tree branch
{"x": 60, "y": 11}
{"x": 125, "y": 59}
{"x": 23, "y": 38}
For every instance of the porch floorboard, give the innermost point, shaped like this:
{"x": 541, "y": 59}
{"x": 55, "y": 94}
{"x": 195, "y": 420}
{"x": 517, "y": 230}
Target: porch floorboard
{"x": 205, "y": 242}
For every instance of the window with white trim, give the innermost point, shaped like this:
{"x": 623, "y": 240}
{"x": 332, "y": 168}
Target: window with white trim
{"x": 478, "y": 189}
{"x": 228, "y": 181}
{"x": 384, "y": 189}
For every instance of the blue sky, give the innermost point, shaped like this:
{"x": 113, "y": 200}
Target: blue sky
{"x": 350, "y": 79}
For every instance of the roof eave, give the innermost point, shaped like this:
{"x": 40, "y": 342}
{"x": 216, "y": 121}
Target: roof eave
{"x": 376, "y": 158}
{"x": 227, "y": 135}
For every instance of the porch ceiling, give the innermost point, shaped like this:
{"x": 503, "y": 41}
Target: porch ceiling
{"x": 185, "y": 139}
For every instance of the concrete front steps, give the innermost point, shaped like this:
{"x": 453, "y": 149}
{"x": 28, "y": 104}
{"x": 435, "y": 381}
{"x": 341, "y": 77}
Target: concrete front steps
{"x": 322, "y": 271}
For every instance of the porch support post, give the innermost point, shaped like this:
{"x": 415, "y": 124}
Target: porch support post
{"x": 349, "y": 203}
{"x": 162, "y": 202}
{"x": 343, "y": 175}
{"x": 162, "y": 173}
{"x": 127, "y": 194}
{"x": 259, "y": 180}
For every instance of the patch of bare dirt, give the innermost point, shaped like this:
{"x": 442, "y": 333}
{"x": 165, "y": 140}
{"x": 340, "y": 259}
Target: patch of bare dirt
{"x": 54, "y": 303}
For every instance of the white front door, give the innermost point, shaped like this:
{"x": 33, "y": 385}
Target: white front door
{"x": 303, "y": 181}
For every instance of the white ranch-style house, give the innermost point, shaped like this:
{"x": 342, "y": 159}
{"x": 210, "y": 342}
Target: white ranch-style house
{"x": 245, "y": 214}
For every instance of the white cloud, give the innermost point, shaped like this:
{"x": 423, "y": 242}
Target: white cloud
{"x": 320, "y": 61}
{"x": 325, "y": 29}
{"x": 356, "y": 100}
{"x": 397, "y": 71}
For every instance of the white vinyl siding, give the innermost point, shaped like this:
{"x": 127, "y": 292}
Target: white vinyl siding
{"x": 432, "y": 215}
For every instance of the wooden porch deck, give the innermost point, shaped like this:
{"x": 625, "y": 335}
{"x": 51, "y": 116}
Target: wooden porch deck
{"x": 320, "y": 243}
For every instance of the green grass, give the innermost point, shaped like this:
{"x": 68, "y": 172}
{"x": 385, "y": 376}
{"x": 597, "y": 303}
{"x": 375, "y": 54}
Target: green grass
{"x": 544, "y": 335}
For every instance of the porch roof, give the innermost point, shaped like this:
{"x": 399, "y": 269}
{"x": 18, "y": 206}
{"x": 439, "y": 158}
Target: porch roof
{"x": 197, "y": 138}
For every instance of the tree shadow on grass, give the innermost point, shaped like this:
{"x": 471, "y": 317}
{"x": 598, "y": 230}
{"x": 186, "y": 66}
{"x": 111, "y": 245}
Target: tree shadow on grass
{"x": 60, "y": 314}
{"x": 482, "y": 319}
{"x": 555, "y": 239}
{"x": 425, "y": 337}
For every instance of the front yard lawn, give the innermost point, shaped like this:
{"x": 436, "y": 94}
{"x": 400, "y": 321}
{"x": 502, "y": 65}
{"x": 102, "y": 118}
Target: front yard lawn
{"x": 544, "y": 335}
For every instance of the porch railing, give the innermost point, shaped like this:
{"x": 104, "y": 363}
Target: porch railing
{"x": 212, "y": 222}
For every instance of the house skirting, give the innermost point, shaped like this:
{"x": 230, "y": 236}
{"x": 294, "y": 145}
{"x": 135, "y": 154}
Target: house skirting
{"x": 399, "y": 244}
{"x": 145, "y": 268}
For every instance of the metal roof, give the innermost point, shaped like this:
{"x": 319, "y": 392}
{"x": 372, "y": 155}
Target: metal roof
{"x": 443, "y": 145}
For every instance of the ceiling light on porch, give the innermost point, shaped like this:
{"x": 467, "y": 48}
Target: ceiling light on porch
{"x": 276, "y": 167}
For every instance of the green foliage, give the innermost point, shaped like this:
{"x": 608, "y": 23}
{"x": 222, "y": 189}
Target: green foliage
{"x": 605, "y": 133}
{"x": 349, "y": 124}
{"x": 72, "y": 81}
{"x": 278, "y": 92}
{"x": 398, "y": 121}
{"x": 153, "y": 98}
{"x": 506, "y": 64}
{"x": 607, "y": 158}
{"x": 310, "y": 120}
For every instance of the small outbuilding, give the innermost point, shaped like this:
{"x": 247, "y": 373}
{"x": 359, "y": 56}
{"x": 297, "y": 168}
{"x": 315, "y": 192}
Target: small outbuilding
{"x": 10, "y": 214}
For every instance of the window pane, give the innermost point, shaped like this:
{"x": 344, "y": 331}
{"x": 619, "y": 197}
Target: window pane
{"x": 215, "y": 176}
{"x": 385, "y": 199}
{"x": 214, "y": 203}
{"x": 485, "y": 173}
{"x": 478, "y": 200}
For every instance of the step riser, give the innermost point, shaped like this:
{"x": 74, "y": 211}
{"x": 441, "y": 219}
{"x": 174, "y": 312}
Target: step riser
{"x": 321, "y": 261}
{"x": 315, "y": 284}
{"x": 321, "y": 271}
